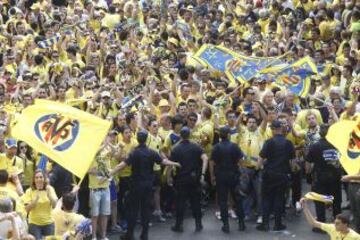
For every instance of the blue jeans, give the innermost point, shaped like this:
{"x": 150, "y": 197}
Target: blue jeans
{"x": 39, "y": 232}
{"x": 254, "y": 194}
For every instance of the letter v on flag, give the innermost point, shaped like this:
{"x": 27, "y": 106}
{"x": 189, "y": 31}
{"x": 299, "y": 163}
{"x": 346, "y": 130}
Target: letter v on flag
{"x": 66, "y": 135}
{"x": 345, "y": 136}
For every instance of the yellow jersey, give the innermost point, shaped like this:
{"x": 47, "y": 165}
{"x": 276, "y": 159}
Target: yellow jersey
{"x": 65, "y": 221}
{"x": 127, "y": 149}
{"x": 335, "y": 235}
{"x": 41, "y": 213}
{"x": 251, "y": 143}
{"x": 6, "y": 192}
{"x": 13, "y": 165}
{"x": 102, "y": 165}
{"x": 154, "y": 143}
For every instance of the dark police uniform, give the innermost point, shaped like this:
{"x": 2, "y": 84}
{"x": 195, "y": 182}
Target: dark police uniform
{"x": 326, "y": 175}
{"x": 278, "y": 151}
{"x": 187, "y": 180}
{"x": 226, "y": 156}
{"x": 141, "y": 160}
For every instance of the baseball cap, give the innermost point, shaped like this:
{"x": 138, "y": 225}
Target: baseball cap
{"x": 105, "y": 94}
{"x": 224, "y": 131}
{"x": 185, "y": 132}
{"x": 276, "y": 124}
{"x": 10, "y": 142}
{"x": 142, "y": 136}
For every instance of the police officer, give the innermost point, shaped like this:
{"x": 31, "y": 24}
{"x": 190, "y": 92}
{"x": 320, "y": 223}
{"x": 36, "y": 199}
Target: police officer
{"x": 187, "y": 181}
{"x": 326, "y": 173}
{"x": 141, "y": 160}
{"x": 226, "y": 156}
{"x": 276, "y": 153}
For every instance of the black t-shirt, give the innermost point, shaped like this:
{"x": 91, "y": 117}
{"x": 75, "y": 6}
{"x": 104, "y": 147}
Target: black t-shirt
{"x": 326, "y": 160}
{"x": 278, "y": 151}
{"x": 188, "y": 154}
{"x": 142, "y": 160}
{"x": 226, "y": 156}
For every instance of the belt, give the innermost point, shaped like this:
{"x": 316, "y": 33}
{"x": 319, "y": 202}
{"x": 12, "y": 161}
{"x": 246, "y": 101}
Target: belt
{"x": 98, "y": 189}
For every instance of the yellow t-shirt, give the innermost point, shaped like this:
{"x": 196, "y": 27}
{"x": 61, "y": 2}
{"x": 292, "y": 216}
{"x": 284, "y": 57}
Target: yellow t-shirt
{"x": 102, "y": 165}
{"x": 206, "y": 130}
{"x": 154, "y": 143}
{"x": 6, "y": 192}
{"x": 335, "y": 235}
{"x": 13, "y": 165}
{"x": 28, "y": 172}
{"x": 301, "y": 118}
{"x": 65, "y": 221}
{"x": 251, "y": 144}
{"x": 127, "y": 148}
{"x": 41, "y": 213}
{"x": 171, "y": 141}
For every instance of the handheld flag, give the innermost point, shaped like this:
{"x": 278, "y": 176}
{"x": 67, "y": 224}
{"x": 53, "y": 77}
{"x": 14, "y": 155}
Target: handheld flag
{"x": 220, "y": 58}
{"x": 66, "y": 135}
{"x": 49, "y": 42}
{"x": 345, "y": 136}
{"x": 327, "y": 199}
{"x": 295, "y": 77}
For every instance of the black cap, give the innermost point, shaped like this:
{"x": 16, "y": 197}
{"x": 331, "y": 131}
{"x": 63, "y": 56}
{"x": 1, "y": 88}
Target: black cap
{"x": 185, "y": 132}
{"x": 224, "y": 132}
{"x": 142, "y": 136}
{"x": 276, "y": 124}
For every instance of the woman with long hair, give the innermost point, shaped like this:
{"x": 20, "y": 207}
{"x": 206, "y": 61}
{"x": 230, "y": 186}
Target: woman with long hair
{"x": 25, "y": 152}
{"x": 39, "y": 201}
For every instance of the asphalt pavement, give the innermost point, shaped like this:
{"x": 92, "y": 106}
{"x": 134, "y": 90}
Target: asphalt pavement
{"x": 297, "y": 229}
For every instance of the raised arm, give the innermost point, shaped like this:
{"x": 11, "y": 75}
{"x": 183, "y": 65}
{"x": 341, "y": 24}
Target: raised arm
{"x": 309, "y": 217}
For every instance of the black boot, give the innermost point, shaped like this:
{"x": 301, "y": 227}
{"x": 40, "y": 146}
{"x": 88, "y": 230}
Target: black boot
{"x": 242, "y": 226}
{"x": 177, "y": 228}
{"x": 199, "y": 225}
{"x": 226, "y": 228}
{"x": 144, "y": 234}
{"x": 278, "y": 224}
{"x": 279, "y": 227}
{"x": 264, "y": 226}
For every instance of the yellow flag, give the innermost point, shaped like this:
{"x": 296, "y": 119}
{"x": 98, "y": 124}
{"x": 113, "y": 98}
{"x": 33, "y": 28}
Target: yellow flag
{"x": 345, "y": 136}
{"x": 319, "y": 197}
{"x": 66, "y": 135}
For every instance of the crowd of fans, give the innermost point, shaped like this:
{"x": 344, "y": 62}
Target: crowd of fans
{"x": 129, "y": 62}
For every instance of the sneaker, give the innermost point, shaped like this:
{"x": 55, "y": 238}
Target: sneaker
{"x": 298, "y": 207}
{"x": 116, "y": 229}
{"x": 218, "y": 215}
{"x": 124, "y": 225}
{"x": 246, "y": 218}
{"x": 159, "y": 218}
{"x": 105, "y": 238}
{"x": 259, "y": 220}
{"x": 232, "y": 214}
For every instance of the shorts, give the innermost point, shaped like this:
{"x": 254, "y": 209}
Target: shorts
{"x": 113, "y": 191}
{"x": 157, "y": 179}
{"x": 100, "y": 202}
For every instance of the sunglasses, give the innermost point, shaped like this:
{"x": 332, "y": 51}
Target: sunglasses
{"x": 23, "y": 147}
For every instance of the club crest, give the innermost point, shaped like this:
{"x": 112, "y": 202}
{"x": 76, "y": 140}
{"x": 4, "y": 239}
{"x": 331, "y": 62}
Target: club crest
{"x": 57, "y": 131}
{"x": 353, "y": 150}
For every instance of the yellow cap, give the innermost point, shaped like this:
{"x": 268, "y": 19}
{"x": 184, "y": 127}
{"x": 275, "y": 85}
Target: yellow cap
{"x": 164, "y": 103}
